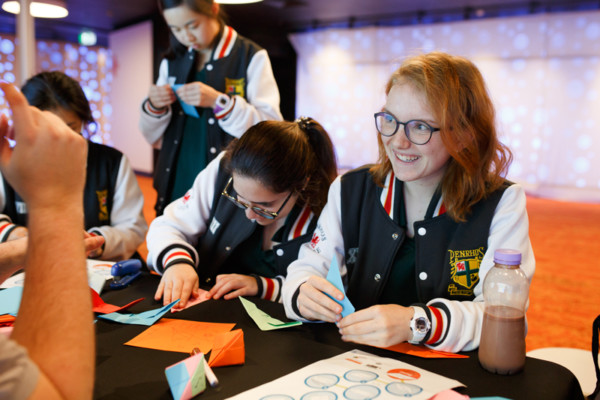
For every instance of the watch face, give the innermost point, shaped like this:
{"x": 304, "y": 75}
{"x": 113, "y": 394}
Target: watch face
{"x": 421, "y": 325}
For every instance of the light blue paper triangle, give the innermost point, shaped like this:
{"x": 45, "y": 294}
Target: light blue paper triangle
{"x": 146, "y": 318}
{"x": 334, "y": 277}
{"x": 187, "y": 108}
{"x": 178, "y": 377}
{"x": 10, "y": 300}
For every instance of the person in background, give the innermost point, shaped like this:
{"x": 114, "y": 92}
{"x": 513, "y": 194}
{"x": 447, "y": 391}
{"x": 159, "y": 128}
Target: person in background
{"x": 113, "y": 200}
{"x": 225, "y": 78}
{"x": 415, "y": 234}
{"x": 40, "y": 360}
{"x": 245, "y": 217}
{"x": 12, "y": 253}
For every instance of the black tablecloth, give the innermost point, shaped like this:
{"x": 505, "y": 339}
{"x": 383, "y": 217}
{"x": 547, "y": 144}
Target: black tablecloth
{"x": 125, "y": 372}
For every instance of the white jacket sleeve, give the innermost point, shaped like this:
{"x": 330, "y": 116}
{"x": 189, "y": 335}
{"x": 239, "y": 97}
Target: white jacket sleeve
{"x": 262, "y": 98}
{"x": 185, "y": 219}
{"x": 509, "y": 229}
{"x": 152, "y": 126}
{"x": 315, "y": 256}
{"x": 128, "y": 225}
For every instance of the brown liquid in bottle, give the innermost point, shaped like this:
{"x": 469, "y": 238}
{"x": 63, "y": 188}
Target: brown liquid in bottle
{"x": 502, "y": 345}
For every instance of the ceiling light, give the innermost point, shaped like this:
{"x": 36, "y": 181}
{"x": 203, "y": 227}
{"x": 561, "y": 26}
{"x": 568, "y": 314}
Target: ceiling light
{"x": 39, "y": 9}
{"x": 237, "y": 1}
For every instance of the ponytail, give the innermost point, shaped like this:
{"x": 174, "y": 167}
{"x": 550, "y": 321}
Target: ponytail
{"x": 287, "y": 156}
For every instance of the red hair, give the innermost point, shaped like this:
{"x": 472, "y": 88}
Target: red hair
{"x": 457, "y": 95}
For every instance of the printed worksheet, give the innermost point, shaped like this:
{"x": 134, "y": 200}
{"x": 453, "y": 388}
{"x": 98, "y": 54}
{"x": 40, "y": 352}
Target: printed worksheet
{"x": 354, "y": 375}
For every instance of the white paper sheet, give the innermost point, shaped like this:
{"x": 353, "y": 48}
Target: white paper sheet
{"x": 354, "y": 375}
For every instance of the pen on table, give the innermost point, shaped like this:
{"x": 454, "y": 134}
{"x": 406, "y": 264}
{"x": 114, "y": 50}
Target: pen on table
{"x": 208, "y": 372}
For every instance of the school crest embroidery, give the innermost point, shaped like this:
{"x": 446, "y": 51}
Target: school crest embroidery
{"x": 102, "y": 207}
{"x": 464, "y": 271}
{"x": 235, "y": 86}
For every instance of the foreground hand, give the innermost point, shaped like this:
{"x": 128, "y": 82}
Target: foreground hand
{"x": 313, "y": 302}
{"x": 161, "y": 96}
{"x": 28, "y": 165}
{"x": 381, "y": 325}
{"x": 198, "y": 94}
{"x": 230, "y": 286}
{"x": 179, "y": 281}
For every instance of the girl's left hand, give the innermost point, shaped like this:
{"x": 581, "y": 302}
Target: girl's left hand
{"x": 230, "y": 286}
{"x": 382, "y": 325}
{"x": 198, "y": 94}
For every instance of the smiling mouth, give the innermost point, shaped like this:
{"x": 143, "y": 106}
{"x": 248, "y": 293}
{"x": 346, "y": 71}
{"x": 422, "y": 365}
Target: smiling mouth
{"x": 406, "y": 159}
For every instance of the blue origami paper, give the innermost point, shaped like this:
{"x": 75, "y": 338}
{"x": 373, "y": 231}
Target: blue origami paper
{"x": 146, "y": 318}
{"x": 10, "y": 300}
{"x": 186, "y": 378}
{"x": 334, "y": 277}
{"x": 187, "y": 108}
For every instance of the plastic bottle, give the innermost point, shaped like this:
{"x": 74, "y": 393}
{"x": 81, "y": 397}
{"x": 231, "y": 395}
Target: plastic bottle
{"x": 505, "y": 291}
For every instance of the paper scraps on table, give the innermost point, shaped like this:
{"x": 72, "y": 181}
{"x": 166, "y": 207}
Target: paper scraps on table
{"x": 146, "y": 318}
{"x": 10, "y": 300}
{"x": 334, "y": 277}
{"x": 228, "y": 349}
{"x": 7, "y": 320}
{"x": 264, "y": 321}
{"x": 450, "y": 394}
{"x": 187, "y": 378}
{"x": 202, "y": 297}
{"x": 180, "y": 335}
{"x": 187, "y": 108}
{"x": 98, "y": 273}
{"x": 422, "y": 351}
{"x": 99, "y": 306}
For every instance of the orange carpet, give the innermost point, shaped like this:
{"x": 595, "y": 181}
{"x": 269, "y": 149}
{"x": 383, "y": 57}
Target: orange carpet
{"x": 565, "y": 292}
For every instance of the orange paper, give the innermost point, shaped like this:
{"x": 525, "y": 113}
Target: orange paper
{"x": 422, "y": 351}
{"x": 7, "y": 320}
{"x": 99, "y": 306}
{"x": 228, "y": 349}
{"x": 180, "y": 335}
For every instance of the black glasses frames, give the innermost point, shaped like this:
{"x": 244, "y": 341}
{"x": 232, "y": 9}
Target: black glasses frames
{"x": 417, "y": 131}
{"x": 258, "y": 210}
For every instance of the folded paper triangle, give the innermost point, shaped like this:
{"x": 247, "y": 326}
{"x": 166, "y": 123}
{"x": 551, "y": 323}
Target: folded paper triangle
{"x": 228, "y": 349}
{"x": 186, "y": 378}
{"x": 99, "y": 306}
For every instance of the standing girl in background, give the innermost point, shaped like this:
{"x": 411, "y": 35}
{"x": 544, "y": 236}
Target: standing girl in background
{"x": 113, "y": 201}
{"x": 248, "y": 212}
{"x": 224, "y": 80}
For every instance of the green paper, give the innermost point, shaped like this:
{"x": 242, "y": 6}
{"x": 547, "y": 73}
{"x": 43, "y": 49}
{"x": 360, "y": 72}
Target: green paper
{"x": 198, "y": 381}
{"x": 264, "y": 321}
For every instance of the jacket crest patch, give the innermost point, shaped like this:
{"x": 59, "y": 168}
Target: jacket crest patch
{"x": 102, "y": 206}
{"x": 235, "y": 87}
{"x": 464, "y": 271}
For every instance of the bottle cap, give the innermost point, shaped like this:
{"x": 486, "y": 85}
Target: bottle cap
{"x": 507, "y": 257}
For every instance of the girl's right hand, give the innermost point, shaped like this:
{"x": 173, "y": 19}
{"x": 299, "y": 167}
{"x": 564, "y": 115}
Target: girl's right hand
{"x": 179, "y": 281}
{"x": 314, "y": 304}
{"x": 161, "y": 96}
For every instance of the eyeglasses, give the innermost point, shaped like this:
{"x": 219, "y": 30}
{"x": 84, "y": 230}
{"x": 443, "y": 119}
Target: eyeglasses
{"x": 418, "y": 132}
{"x": 258, "y": 210}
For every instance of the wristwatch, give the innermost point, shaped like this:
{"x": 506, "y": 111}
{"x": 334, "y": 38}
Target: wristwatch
{"x": 221, "y": 103}
{"x": 419, "y": 325}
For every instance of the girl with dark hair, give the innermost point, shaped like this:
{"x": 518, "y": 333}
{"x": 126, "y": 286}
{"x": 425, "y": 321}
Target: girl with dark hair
{"x": 245, "y": 217}
{"x": 415, "y": 234}
{"x": 224, "y": 81}
{"x": 113, "y": 201}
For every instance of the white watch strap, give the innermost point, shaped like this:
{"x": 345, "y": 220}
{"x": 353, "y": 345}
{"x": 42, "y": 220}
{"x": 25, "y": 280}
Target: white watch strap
{"x": 419, "y": 335}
